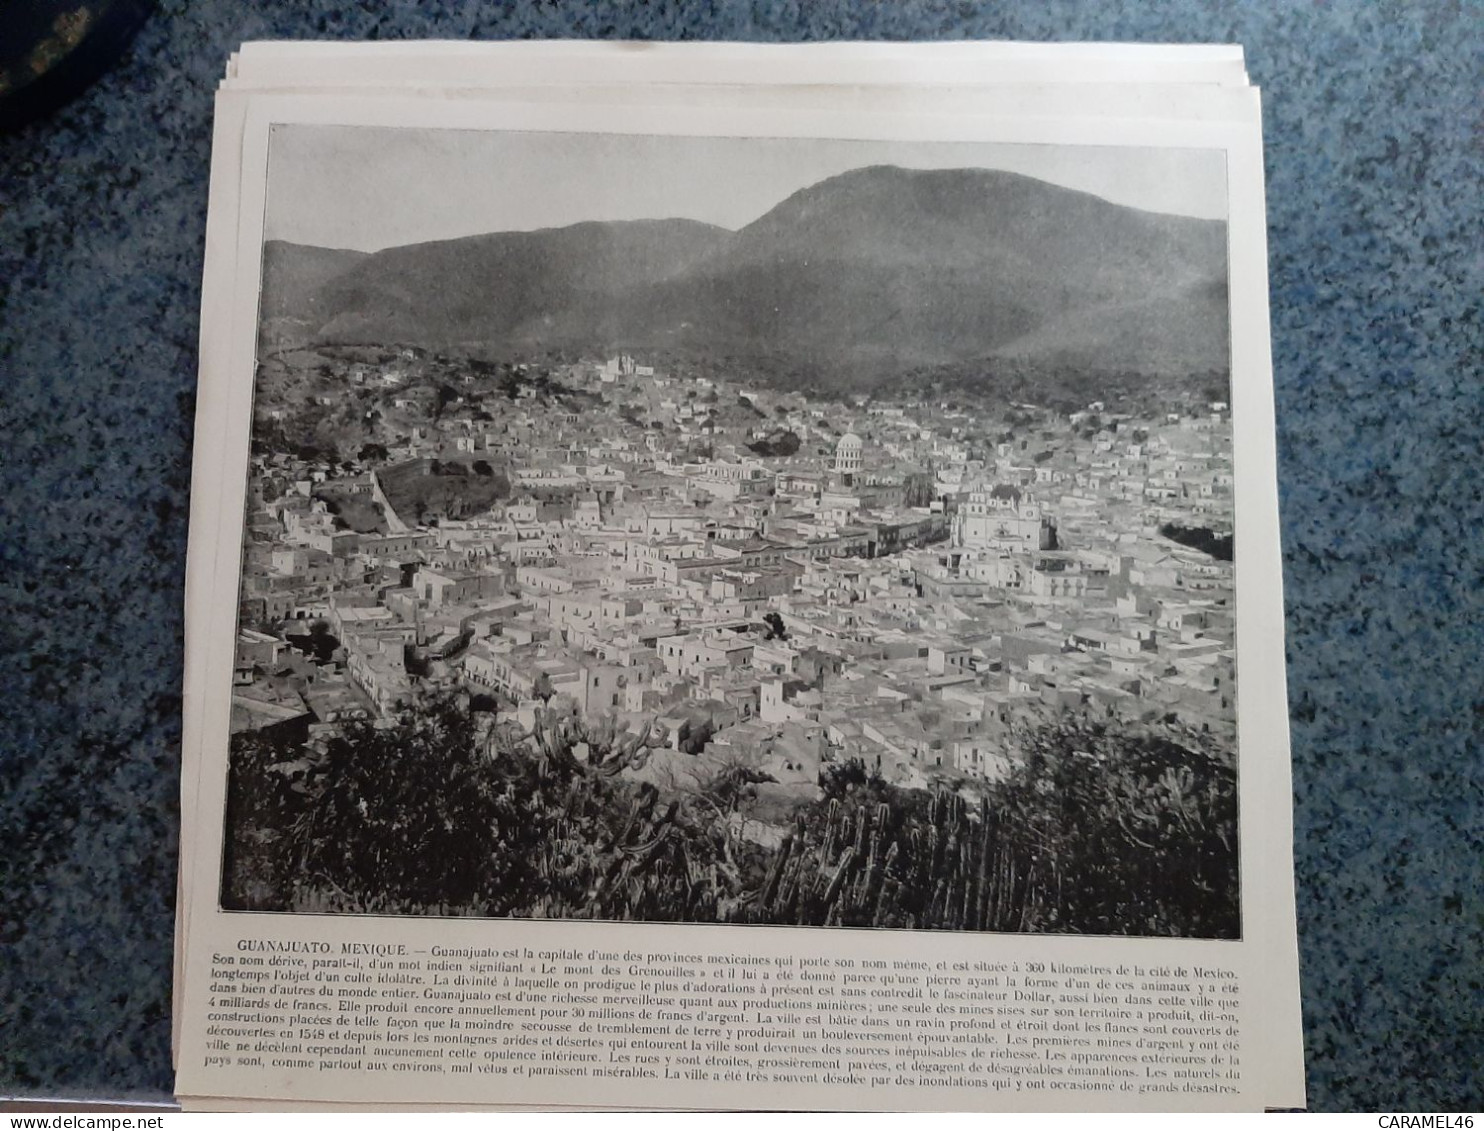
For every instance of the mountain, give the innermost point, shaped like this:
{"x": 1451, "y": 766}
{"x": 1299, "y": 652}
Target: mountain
{"x": 295, "y": 275}
{"x": 858, "y": 277}
{"x": 1178, "y": 329}
{"x": 521, "y": 287}
{"x": 892, "y": 267}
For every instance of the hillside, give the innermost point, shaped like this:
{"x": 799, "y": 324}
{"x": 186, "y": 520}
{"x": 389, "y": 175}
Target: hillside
{"x": 847, "y": 282}
{"x": 529, "y": 287}
{"x": 295, "y": 277}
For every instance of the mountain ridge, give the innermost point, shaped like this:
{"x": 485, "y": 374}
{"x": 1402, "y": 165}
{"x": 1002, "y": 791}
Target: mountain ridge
{"x": 880, "y": 268}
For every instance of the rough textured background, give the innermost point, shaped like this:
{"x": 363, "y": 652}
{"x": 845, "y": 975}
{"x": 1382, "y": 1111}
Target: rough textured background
{"x": 1375, "y": 195}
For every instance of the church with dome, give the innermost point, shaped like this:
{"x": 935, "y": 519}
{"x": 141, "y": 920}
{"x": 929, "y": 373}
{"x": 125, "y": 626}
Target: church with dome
{"x": 849, "y": 458}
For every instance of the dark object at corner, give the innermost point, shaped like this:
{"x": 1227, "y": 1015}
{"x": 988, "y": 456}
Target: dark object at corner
{"x": 53, "y": 50}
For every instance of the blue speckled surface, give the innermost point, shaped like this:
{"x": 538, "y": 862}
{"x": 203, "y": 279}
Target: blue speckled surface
{"x": 1376, "y": 195}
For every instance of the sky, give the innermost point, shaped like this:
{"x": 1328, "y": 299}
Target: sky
{"x": 367, "y": 188}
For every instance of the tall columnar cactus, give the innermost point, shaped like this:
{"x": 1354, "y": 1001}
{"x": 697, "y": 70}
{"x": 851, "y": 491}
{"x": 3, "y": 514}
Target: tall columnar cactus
{"x": 440, "y": 814}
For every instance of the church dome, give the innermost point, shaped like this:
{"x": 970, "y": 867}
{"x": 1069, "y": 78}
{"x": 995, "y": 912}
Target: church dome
{"x": 849, "y": 453}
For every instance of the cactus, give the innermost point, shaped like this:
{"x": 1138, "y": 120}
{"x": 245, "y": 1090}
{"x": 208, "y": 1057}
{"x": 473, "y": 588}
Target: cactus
{"x": 438, "y": 813}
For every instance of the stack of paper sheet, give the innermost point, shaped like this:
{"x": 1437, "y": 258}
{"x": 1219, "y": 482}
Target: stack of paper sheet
{"x": 712, "y": 584}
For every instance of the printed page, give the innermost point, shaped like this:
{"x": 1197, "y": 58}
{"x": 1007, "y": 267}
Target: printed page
{"x": 1154, "y": 101}
{"x": 727, "y": 599}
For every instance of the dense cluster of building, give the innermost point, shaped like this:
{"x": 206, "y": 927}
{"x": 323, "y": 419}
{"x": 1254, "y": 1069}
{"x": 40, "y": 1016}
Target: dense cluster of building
{"x": 757, "y": 577}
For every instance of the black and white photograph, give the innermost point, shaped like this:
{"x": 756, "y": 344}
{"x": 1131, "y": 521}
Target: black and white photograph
{"x": 739, "y": 530}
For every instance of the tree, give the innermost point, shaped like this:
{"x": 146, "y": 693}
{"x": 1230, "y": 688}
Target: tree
{"x": 1137, "y": 831}
{"x": 1093, "y": 831}
{"x": 319, "y": 645}
{"x": 919, "y": 490}
{"x": 543, "y": 689}
{"x": 840, "y": 779}
{"x": 776, "y": 628}
{"x": 781, "y": 442}
{"x": 1219, "y": 546}
{"x": 695, "y": 735}
{"x": 447, "y": 395}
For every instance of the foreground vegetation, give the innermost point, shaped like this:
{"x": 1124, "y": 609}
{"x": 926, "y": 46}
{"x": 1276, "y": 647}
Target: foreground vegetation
{"x": 450, "y": 812}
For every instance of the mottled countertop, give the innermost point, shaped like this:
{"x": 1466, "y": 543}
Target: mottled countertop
{"x": 1375, "y": 151}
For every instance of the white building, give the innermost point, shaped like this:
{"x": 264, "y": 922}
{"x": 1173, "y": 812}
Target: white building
{"x": 849, "y": 454}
